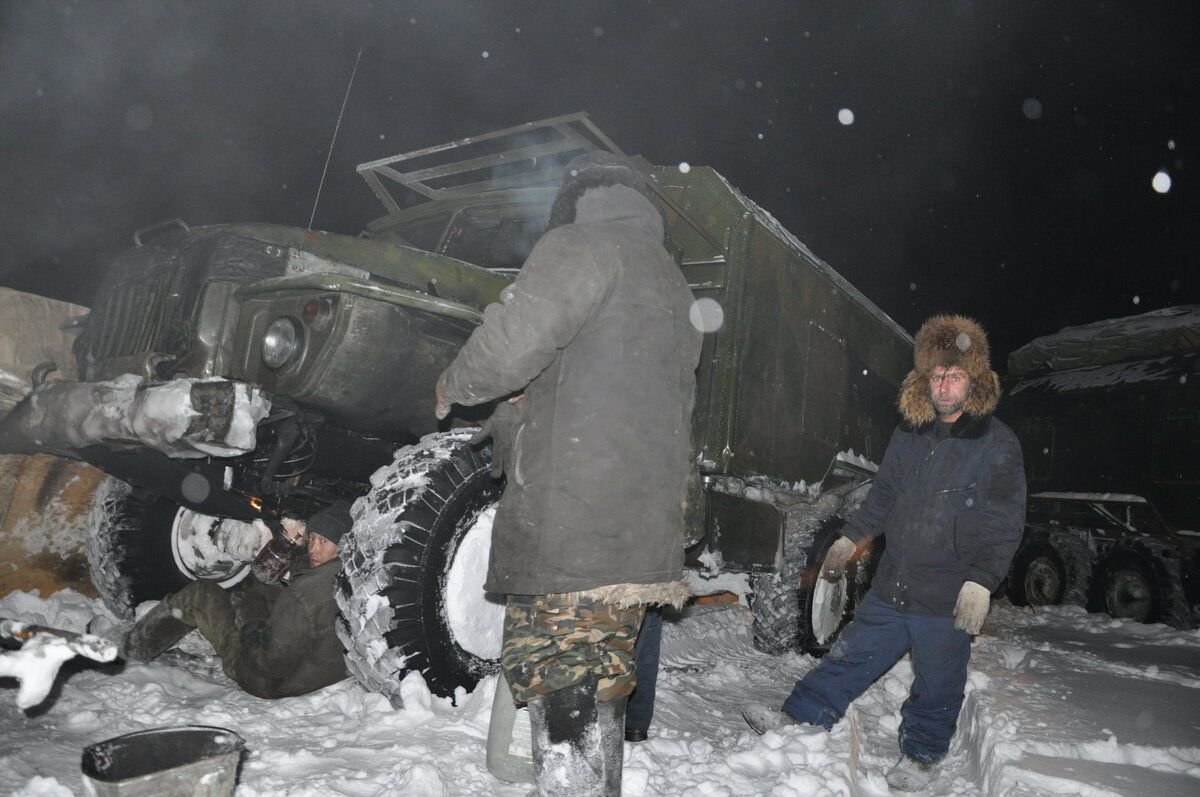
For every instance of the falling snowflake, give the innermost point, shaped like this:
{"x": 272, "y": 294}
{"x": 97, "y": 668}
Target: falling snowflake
{"x": 1032, "y": 108}
{"x": 706, "y": 314}
{"x": 846, "y": 116}
{"x": 486, "y": 53}
{"x": 1171, "y": 144}
{"x": 1137, "y": 299}
{"x": 1161, "y": 182}
{"x": 685, "y": 167}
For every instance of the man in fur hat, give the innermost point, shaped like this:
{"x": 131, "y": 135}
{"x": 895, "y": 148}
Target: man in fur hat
{"x": 595, "y": 336}
{"x": 949, "y": 499}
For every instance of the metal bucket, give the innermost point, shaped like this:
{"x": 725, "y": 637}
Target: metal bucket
{"x": 187, "y": 761}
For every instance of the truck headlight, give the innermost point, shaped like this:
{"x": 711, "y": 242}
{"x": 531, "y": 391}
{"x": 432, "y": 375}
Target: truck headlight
{"x": 281, "y": 342}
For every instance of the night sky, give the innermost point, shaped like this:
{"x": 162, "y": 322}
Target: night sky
{"x": 999, "y": 163}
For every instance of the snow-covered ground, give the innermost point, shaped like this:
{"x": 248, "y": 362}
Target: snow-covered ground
{"x": 1059, "y": 703}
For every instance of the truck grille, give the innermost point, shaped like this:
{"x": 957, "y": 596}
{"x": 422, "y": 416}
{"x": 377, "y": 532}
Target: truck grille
{"x": 137, "y": 308}
{"x": 130, "y": 318}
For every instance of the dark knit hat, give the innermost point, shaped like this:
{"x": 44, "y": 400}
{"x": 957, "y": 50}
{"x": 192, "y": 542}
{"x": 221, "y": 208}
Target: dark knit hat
{"x": 949, "y": 341}
{"x": 333, "y": 522}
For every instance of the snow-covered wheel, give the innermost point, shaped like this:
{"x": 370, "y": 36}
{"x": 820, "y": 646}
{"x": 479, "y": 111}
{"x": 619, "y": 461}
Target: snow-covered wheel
{"x": 1038, "y": 577}
{"x": 1130, "y": 587}
{"x": 411, "y": 589}
{"x": 142, "y": 546}
{"x": 796, "y": 609}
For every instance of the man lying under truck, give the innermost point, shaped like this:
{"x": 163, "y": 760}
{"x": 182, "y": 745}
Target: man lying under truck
{"x": 274, "y": 641}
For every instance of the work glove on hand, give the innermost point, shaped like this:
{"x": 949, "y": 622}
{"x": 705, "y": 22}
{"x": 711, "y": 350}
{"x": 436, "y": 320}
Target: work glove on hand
{"x": 834, "y": 565}
{"x": 971, "y": 607}
{"x": 501, "y": 428}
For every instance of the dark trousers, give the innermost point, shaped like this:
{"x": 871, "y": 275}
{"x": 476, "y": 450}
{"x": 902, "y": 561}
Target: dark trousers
{"x": 868, "y": 647}
{"x": 640, "y": 709}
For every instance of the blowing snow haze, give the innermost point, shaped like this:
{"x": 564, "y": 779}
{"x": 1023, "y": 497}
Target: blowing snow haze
{"x": 1028, "y": 164}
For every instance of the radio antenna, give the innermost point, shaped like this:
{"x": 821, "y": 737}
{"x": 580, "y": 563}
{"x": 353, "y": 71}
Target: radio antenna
{"x": 332, "y": 141}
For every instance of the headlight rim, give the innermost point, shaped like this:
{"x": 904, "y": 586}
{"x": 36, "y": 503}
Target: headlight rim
{"x": 285, "y": 334}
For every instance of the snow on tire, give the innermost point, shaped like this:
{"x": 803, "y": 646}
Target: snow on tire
{"x": 128, "y": 547}
{"x": 422, "y": 533}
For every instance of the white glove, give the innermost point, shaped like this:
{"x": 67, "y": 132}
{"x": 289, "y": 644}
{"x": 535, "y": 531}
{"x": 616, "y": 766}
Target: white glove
{"x": 971, "y": 607}
{"x": 834, "y": 565}
{"x": 295, "y": 530}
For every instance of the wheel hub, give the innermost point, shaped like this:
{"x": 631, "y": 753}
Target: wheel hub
{"x": 1042, "y": 584}
{"x": 475, "y": 617}
{"x": 1128, "y": 596}
{"x": 828, "y": 606}
{"x": 215, "y": 549}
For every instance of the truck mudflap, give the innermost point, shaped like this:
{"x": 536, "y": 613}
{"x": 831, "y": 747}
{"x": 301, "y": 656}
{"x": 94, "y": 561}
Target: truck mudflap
{"x": 182, "y": 418}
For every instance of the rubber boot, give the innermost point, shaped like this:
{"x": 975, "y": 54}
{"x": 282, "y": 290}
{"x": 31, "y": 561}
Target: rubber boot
{"x": 611, "y": 719}
{"x": 158, "y": 630}
{"x": 577, "y": 744}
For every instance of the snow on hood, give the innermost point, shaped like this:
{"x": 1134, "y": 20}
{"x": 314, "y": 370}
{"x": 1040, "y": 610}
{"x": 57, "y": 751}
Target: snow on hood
{"x": 1154, "y": 334}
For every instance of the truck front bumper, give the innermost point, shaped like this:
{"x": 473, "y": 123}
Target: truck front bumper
{"x": 182, "y": 418}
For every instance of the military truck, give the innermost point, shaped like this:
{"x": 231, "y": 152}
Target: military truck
{"x": 303, "y": 366}
{"x": 1108, "y": 415}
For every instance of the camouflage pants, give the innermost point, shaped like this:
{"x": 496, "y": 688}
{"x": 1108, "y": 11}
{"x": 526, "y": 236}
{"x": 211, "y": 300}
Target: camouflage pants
{"x": 555, "y": 641}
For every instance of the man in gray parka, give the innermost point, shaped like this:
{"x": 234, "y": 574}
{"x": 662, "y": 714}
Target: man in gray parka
{"x": 594, "y": 339}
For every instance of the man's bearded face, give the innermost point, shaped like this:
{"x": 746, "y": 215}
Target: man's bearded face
{"x": 948, "y": 387}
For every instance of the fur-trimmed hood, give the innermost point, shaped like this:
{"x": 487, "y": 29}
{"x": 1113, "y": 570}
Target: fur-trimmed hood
{"x": 596, "y": 169}
{"x": 948, "y": 341}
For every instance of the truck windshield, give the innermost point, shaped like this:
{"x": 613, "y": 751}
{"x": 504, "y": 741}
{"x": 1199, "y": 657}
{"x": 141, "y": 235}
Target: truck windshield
{"x": 495, "y": 237}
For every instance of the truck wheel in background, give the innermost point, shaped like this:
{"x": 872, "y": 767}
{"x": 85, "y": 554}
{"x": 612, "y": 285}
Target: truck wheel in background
{"x": 411, "y": 588}
{"x": 795, "y": 608}
{"x": 142, "y": 546}
{"x": 1129, "y": 587}
{"x": 129, "y": 547}
{"x": 1038, "y": 576}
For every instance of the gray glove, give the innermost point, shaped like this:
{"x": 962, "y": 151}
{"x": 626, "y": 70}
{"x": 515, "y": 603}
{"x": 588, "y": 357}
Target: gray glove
{"x": 833, "y": 567}
{"x": 501, "y": 427}
{"x": 971, "y": 607}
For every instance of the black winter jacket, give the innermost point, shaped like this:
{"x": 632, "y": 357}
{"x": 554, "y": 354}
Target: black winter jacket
{"x": 595, "y": 330}
{"x": 951, "y": 512}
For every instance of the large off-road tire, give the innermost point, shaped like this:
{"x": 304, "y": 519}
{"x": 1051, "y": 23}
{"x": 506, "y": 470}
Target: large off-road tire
{"x": 1130, "y": 586}
{"x": 1038, "y": 576}
{"x": 129, "y": 547}
{"x": 421, "y": 534}
{"x": 796, "y": 609}
{"x": 134, "y": 548}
